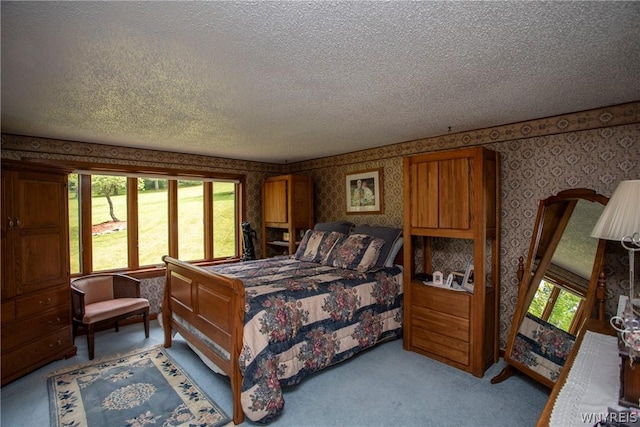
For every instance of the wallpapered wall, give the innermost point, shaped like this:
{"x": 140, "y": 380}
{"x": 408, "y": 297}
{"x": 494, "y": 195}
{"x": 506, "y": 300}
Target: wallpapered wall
{"x": 594, "y": 149}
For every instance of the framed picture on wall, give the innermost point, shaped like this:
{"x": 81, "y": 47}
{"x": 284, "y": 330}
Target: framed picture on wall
{"x": 364, "y": 192}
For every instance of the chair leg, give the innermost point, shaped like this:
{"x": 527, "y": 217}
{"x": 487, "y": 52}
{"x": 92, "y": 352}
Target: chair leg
{"x": 117, "y": 328}
{"x": 74, "y": 329}
{"x": 90, "y": 336}
{"x": 145, "y": 315}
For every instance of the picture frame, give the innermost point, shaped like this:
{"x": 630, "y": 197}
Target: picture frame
{"x": 363, "y": 191}
{"x": 467, "y": 285}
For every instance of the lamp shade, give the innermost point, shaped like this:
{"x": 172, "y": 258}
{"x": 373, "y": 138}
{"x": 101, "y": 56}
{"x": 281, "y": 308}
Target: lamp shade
{"x": 621, "y": 216}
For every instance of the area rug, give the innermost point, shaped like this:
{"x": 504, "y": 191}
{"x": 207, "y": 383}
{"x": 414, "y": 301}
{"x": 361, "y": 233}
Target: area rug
{"x": 144, "y": 387}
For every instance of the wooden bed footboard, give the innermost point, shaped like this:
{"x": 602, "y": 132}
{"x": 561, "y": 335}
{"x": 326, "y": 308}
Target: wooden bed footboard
{"x": 212, "y": 304}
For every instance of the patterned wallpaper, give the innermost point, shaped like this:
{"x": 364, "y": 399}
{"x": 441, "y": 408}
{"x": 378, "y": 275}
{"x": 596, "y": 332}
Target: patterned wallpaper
{"x": 594, "y": 149}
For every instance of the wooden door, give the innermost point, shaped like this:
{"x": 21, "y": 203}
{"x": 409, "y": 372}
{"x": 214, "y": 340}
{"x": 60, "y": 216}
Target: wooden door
{"x": 441, "y": 194}
{"x": 454, "y": 189}
{"x": 275, "y": 202}
{"x": 424, "y": 195}
{"x": 40, "y": 243}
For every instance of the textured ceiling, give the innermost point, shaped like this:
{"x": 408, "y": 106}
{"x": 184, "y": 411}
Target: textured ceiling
{"x": 290, "y": 81}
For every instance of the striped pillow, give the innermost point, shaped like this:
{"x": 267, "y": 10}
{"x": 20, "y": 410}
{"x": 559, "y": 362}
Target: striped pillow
{"x": 316, "y": 244}
{"x": 355, "y": 252}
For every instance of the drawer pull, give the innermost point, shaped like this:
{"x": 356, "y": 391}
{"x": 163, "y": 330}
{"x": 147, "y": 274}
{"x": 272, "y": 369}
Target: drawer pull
{"x": 55, "y": 322}
{"x": 47, "y": 302}
{"x": 55, "y": 344}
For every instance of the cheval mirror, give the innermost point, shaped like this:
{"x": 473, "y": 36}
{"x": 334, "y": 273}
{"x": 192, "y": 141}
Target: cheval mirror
{"x": 557, "y": 286}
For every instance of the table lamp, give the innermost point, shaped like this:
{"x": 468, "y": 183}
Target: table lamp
{"x": 620, "y": 221}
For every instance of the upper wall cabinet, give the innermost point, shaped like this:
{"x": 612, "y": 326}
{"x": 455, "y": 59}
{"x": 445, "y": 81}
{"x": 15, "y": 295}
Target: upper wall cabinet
{"x": 452, "y": 194}
{"x": 442, "y": 189}
{"x": 287, "y": 211}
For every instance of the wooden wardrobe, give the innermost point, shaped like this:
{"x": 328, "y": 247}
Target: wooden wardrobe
{"x": 35, "y": 290}
{"x": 452, "y": 194}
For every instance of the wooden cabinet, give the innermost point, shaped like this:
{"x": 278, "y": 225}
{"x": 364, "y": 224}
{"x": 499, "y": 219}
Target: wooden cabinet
{"x": 452, "y": 195}
{"x": 287, "y": 211}
{"x": 36, "y": 298}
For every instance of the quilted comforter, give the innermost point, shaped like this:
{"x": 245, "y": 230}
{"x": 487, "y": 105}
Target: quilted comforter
{"x": 301, "y": 317}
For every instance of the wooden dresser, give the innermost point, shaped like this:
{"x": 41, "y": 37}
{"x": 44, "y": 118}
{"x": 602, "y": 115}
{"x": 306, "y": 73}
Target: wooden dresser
{"x": 35, "y": 292}
{"x": 454, "y": 195}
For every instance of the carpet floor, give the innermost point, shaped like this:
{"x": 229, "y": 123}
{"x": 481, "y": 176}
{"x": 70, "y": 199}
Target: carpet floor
{"x": 384, "y": 386}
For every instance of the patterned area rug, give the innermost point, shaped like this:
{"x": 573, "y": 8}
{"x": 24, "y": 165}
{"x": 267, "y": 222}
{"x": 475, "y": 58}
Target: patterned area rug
{"x": 136, "y": 389}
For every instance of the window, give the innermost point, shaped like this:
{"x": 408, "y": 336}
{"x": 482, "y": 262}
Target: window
{"x": 109, "y": 222}
{"x": 153, "y": 220}
{"x": 225, "y": 204}
{"x": 74, "y": 223}
{"x": 554, "y": 304}
{"x": 190, "y": 220}
{"x": 120, "y": 222}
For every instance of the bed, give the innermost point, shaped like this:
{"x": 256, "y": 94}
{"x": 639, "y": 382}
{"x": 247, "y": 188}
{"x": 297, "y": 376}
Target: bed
{"x": 270, "y": 323}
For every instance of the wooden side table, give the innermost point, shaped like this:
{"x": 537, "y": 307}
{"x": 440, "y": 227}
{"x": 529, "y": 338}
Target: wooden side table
{"x": 629, "y": 377}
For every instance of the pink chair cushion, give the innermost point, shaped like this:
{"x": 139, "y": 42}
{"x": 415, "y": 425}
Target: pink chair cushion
{"x": 103, "y": 310}
{"x": 97, "y": 288}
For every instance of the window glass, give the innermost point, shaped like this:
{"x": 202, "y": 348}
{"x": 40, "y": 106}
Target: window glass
{"x": 190, "y": 220}
{"x": 74, "y": 223}
{"x": 153, "y": 220}
{"x": 109, "y": 222}
{"x": 564, "y": 310}
{"x": 540, "y": 299}
{"x": 224, "y": 219}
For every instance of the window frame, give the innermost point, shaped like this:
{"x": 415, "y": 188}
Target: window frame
{"x": 560, "y": 285}
{"x": 85, "y": 171}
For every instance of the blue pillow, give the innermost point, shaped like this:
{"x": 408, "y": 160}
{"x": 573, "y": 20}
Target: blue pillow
{"x": 343, "y": 227}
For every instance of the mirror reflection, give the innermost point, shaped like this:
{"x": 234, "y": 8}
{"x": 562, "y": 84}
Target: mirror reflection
{"x": 558, "y": 292}
{"x": 562, "y": 290}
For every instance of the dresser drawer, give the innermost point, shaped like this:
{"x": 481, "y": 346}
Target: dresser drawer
{"x": 456, "y": 303}
{"x": 26, "y": 358}
{"x": 440, "y": 345}
{"x": 441, "y": 323}
{"x": 37, "y": 303}
{"x": 47, "y": 324}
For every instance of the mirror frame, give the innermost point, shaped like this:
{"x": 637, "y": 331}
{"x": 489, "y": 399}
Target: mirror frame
{"x": 526, "y": 290}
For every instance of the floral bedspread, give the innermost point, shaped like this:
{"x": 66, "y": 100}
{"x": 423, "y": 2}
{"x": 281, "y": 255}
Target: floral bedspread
{"x": 301, "y": 317}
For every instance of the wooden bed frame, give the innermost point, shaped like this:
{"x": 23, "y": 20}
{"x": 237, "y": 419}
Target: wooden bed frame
{"x": 214, "y": 305}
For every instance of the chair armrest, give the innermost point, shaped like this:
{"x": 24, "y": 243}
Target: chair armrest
{"x": 125, "y": 286}
{"x": 77, "y": 303}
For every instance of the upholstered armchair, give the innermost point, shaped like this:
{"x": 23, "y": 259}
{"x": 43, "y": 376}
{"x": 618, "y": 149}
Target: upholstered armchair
{"x": 102, "y": 299}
